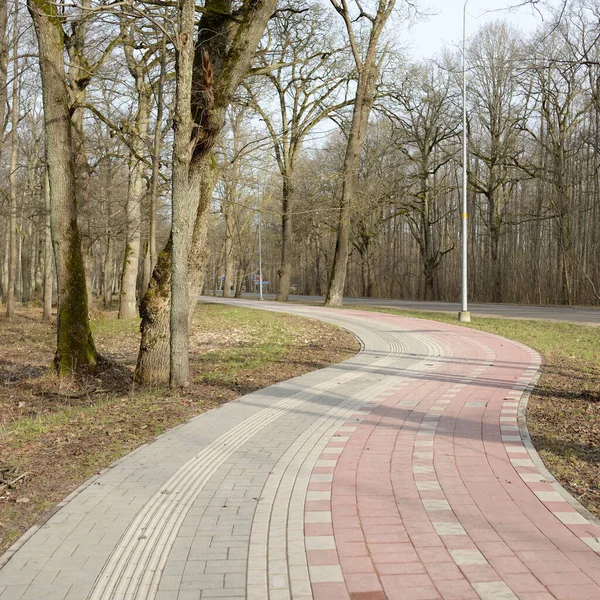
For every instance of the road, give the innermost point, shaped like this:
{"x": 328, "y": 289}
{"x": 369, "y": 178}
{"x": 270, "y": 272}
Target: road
{"x": 512, "y": 311}
{"x": 404, "y": 473}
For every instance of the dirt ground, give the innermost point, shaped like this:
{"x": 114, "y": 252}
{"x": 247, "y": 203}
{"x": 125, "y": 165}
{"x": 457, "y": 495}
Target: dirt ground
{"x": 564, "y": 422}
{"x": 54, "y": 434}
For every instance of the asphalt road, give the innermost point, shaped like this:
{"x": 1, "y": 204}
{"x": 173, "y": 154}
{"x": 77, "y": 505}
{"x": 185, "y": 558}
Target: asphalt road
{"x": 511, "y": 311}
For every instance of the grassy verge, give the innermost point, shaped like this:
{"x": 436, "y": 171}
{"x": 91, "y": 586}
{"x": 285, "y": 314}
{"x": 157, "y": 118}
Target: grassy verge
{"x": 60, "y": 432}
{"x": 564, "y": 411}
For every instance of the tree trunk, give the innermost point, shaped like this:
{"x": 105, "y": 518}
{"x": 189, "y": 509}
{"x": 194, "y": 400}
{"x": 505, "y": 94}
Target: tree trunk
{"x": 285, "y": 270}
{"x": 152, "y": 253}
{"x": 497, "y": 291}
{"x": 128, "y": 305}
{"x": 224, "y": 51}
{"x": 146, "y": 270}
{"x": 229, "y": 280}
{"x": 109, "y": 271}
{"x": 153, "y": 359}
{"x": 3, "y": 93}
{"x": 198, "y": 248}
{"x": 26, "y": 262}
{"x": 428, "y": 273}
{"x": 75, "y": 348}
{"x": 48, "y": 254}
{"x": 358, "y": 130}
{"x": 3, "y": 63}
{"x": 12, "y": 181}
{"x": 182, "y": 198}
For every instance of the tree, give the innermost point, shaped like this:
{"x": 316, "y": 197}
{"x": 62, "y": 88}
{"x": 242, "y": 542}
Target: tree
{"x": 227, "y": 40}
{"x": 307, "y": 85}
{"x": 12, "y": 178}
{"x": 426, "y": 125}
{"x": 560, "y": 93}
{"x": 497, "y": 120}
{"x": 368, "y": 56}
{"x": 75, "y": 348}
{"x": 137, "y": 131}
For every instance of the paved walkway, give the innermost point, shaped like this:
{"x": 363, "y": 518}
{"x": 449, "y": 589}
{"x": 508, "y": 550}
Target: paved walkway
{"x": 400, "y": 474}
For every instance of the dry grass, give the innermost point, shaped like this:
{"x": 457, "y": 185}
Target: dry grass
{"x": 60, "y": 432}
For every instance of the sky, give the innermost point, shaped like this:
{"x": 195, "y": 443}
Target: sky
{"x": 429, "y": 36}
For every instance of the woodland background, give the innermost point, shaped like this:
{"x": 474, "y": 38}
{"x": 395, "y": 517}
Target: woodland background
{"x": 279, "y": 159}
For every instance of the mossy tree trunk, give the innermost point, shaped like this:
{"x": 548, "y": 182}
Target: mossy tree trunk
{"x": 75, "y": 350}
{"x": 224, "y": 50}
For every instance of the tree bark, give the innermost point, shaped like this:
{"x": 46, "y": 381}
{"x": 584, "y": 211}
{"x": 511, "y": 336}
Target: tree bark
{"x": 109, "y": 270}
{"x": 153, "y": 365}
{"x": 180, "y": 198}
{"x": 358, "y": 130}
{"x": 152, "y": 253}
{"x": 198, "y": 249}
{"x": 48, "y": 254}
{"x": 3, "y": 64}
{"x": 75, "y": 350}
{"x": 229, "y": 280}
{"x": 285, "y": 270}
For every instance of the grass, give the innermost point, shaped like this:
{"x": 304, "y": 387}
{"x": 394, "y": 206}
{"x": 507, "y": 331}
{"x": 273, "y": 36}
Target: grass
{"x": 564, "y": 410}
{"x": 62, "y": 431}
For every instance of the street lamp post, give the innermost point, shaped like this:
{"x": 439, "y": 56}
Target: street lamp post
{"x": 260, "y": 275}
{"x": 464, "y": 315}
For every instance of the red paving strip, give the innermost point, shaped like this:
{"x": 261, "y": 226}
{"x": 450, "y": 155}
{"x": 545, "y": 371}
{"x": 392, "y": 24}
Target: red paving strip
{"x": 435, "y": 496}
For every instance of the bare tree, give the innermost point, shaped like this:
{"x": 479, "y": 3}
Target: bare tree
{"x": 75, "y": 346}
{"x": 307, "y": 81}
{"x": 368, "y": 56}
{"x": 12, "y": 178}
{"x": 48, "y": 254}
{"x": 4, "y": 52}
{"x": 498, "y": 118}
{"x": 426, "y": 124}
{"x": 137, "y": 132}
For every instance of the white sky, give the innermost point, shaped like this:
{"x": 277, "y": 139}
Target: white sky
{"x": 429, "y": 36}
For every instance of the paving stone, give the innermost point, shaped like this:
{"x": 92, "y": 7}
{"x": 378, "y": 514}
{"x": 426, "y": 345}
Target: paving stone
{"x": 313, "y": 481}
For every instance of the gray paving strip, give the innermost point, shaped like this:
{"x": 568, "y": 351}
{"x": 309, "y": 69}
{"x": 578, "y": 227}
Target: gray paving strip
{"x": 213, "y": 508}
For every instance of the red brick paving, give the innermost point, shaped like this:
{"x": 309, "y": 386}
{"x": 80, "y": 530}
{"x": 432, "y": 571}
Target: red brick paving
{"x": 427, "y": 498}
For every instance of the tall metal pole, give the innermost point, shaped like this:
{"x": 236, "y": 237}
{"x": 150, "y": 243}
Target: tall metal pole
{"x": 260, "y": 277}
{"x": 464, "y": 315}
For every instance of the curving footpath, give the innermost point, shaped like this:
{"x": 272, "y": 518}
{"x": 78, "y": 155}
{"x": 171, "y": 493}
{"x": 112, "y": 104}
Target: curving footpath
{"x": 404, "y": 473}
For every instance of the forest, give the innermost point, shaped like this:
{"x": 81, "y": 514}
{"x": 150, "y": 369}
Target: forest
{"x": 148, "y": 147}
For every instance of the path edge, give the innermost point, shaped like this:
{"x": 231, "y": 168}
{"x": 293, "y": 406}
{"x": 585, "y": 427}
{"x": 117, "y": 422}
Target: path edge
{"x": 533, "y": 453}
